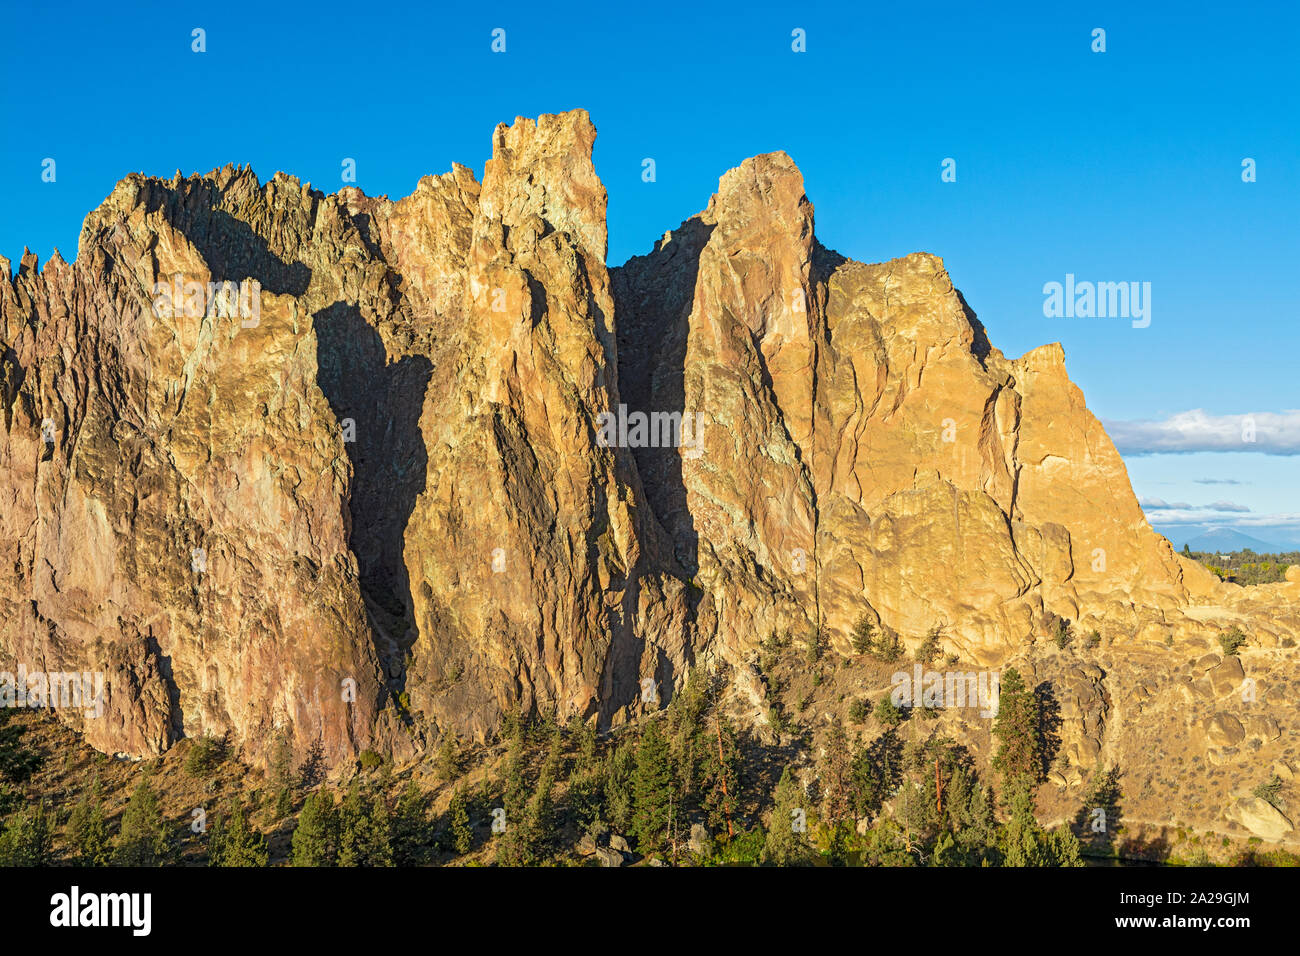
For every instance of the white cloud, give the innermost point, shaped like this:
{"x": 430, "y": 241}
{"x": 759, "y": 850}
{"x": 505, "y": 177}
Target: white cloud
{"x": 1165, "y": 507}
{"x": 1269, "y": 433}
{"x": 1202, "y": 516}
{"x": 1160, "y": 503}
{"x": 1226, "y": 506}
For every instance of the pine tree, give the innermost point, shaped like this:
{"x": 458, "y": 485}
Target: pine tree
{"x": 889, "y": 647}
{"x": 447, "y": 765}
{"x": 411, "y": 826}
{"x": 26, "y": 839}
{"x": 312, "y": 770}
{"x": 619, "y": 784}
{"x": 686, "y": 747}
{"x": 864, "y": 635}
{"x": 512, "y": 845}
{"x": 653, "y": 790}
{"x": 234, "y": 842}
{"x": 462, "y": 836}
{"x": 719, "y": 773}
{"x": 835, "y": 775}
{"x": 87, "y": 830}
{"x": 889, "y": 713}
{"x": 931, "y": 646}
{"x": 864, "y": 788}
{"x": 539, "y": 820}
{"x": 1016, "y": 727}
{"x": 17, "y": 761}
{"x": 787, "y": 843}
{"x": 315, "y": 838}
{"x": 142, "y": 839}
{"x": 586, "y": 778}
{"x": 1064, "y": 847}
{"x": 1024, "y": 842}
{"x": 583, "y": 735}
{"x": 969, "y": 808}
{"x": 365, "y": 837}
{"x": 282, "y": 777}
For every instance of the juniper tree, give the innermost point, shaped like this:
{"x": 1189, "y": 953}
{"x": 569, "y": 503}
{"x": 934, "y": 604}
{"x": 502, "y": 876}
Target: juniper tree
{"x": 447, "y": 764}
{"x": 889, "y": 647}
{"x": 26, "y": 839}
{"x": 235, "y": 842}
{"x": 282, "y": 777}
{"x": 365, "y": 837}
{"x": 652, "y": 789}
{"x": 889, "y": 713}
{"x": 87, "y": 830}
{"x": 461, "y": 835}
{"x": 539, "y": 817}
{"x": 512, "y": 846}
{"x": 142, "y": 839}
{"x": 787, "y": 841}
{"x": 410, "y": 826}
{"x": 1026, "y": 843}
{"x": 315, "y": 838}
{"x": 619, "y": 784}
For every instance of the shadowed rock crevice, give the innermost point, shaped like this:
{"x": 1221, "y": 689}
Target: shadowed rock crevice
{"x": 377, "y": 404}
{"x": 232, "y": 249}
{"x": 652, "y": 306}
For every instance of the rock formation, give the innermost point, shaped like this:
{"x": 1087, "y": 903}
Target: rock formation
{"x": 364, "y": 495}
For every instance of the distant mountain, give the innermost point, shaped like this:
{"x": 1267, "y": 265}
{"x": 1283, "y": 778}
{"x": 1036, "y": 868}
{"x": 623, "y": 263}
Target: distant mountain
{"x": 1225, "y": 540}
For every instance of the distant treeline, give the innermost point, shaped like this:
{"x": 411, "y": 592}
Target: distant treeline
{"x": 1246, "y": 567}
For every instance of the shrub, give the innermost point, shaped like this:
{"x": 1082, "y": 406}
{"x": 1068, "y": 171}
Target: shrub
{"x": 1268, "y": 791}
{"x": 889, "y": 713}
{"x": 1231, "y": 641}
{"x": 370, "y": 760}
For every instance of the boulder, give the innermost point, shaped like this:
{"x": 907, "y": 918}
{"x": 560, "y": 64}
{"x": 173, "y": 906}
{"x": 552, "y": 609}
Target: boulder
{"x": 1224, "y": 730}
{"x": 1260, "y": 817}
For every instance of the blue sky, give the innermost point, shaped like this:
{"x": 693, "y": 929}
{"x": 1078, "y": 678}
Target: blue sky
{"x": 1115, "y": 166}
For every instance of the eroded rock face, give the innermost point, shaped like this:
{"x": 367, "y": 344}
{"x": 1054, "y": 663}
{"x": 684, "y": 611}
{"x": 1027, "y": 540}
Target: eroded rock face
{"x": 381, "y": 504}
{"x": 867, "y": 450}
